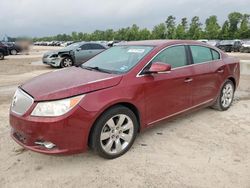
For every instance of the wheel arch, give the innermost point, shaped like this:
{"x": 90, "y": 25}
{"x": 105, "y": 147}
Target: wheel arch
{"x": 128, "y": 105}
{"x": 66, "y": 55}
{"x": 63, "y": 55}
{"x": 233, "y": 80}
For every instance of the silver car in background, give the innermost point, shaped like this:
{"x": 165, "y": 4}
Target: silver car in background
{"x": 74, "y": 54}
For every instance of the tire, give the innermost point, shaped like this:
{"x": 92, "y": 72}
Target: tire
{"x": 13, "y": 52}
{"x": 1, "y": 56}
{"x": 225, "y": 99}
{"x": 114, "y": 132}
{"x": 66, "y": 62}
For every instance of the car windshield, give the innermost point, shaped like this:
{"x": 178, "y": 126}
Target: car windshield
{"x": 227, "y": 42}
{"x": 118, "y": 59}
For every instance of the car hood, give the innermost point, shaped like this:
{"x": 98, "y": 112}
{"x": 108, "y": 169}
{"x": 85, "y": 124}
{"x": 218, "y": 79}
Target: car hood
{"x": 68, "y": 82}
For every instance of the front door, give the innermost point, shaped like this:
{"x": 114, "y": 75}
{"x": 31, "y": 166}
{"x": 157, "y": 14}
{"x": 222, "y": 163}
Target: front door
{"x": 83, "y": 53}
{"x": 167, "y": 94}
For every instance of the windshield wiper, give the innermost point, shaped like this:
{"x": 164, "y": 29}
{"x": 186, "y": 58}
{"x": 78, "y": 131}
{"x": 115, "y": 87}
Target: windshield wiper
{"x": 97, "y": 69}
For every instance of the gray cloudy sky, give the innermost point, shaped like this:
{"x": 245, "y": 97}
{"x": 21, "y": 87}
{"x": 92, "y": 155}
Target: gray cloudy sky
{"x": 50, "y": 17}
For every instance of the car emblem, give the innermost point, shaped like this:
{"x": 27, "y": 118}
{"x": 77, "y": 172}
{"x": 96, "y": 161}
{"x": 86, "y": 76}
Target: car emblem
{"x": 14, "y": 101}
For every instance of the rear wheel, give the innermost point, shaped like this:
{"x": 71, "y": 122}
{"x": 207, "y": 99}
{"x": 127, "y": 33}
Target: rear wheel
{"x": 114, "y": 132}
{"x": 1, "y": 56}
{"x": 226, "y": 96}
{"x": 66, "y": 62}
{"x": 13, "y": 52}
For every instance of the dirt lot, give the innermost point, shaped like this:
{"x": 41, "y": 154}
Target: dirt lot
{"x": 203, "y": 149}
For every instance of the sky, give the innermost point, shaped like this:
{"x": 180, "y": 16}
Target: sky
{"x": 36, "y": 18}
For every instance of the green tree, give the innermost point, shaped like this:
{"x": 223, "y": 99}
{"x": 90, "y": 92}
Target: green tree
{"x": 74, "y": 36}
{"x": 212, "y": 28}
{"x": 159, "y": 31}
{"x": 170, "y": 27}
{"x": 181, "y": 29}
{"x": 234, "y": 21}
{"x": 109, "y": 35}
{"x": 244, "y": 31}
{"x": 224, "y": 34}
{"x": 121, "y": 34}
{"x": 144, "y": 34}
{"x": 133, "y": 33}
{"x": 195, "y": 31}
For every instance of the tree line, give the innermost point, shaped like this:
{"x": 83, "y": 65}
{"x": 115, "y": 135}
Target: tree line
{"x": 236, "y": 26}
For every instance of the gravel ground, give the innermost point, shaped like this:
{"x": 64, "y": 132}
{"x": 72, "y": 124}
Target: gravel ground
{"x": 206, "y": 148}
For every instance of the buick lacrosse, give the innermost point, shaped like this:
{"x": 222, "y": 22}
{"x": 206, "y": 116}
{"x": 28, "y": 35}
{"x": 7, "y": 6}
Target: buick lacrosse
{"x": 104, "y": 103}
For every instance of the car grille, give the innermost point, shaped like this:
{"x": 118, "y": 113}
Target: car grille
{"x": 21, "y": 102}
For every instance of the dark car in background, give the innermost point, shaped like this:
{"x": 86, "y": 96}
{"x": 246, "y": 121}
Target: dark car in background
{"x": 13, "y": 49}
{"x": 245, "y": 48}
{"x": 230, "y": 45}
{"x": 3, "y": 51}
{"x": 74, "y": 54}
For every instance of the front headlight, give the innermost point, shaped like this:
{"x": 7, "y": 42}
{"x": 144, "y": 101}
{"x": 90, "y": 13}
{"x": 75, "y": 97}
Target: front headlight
{"x": 54, "y": 56}
{"x": 56, "y": 108}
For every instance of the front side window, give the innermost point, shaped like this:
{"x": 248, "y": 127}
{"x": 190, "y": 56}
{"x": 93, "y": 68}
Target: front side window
{"x": 175, "y": 56}
{"x": 118, "y": 59}
{"x": 85, "y": 47}
{"x": 201, "y": 54}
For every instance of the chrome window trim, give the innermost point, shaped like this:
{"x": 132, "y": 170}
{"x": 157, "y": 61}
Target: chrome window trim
{"x": 184, "y": 44}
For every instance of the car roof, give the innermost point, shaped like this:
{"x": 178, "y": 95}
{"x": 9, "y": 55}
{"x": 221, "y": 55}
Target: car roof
{"x": 159, "y": 43}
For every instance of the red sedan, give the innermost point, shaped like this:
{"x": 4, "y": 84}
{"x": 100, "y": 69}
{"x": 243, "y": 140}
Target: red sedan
{"x": 108, "y": 100}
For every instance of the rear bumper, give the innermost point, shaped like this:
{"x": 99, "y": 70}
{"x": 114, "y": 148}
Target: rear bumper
{"x": 69, "y": 133}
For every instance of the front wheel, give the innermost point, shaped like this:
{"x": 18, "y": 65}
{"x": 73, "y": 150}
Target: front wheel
{"x": 114, "y": 132}
{"x": 226, "y": 96}
{"x": 1, "y": 56}
{"x": 66, "y": 62}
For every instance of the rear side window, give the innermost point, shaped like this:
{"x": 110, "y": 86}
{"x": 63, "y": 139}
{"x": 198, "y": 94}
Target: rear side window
{"x": 175, "y": 56}
{"x": 216, "y": 55}
{"x": 96, "y": 46}
{"x": 201, "y": 54}
{"x": 85, "y": 47}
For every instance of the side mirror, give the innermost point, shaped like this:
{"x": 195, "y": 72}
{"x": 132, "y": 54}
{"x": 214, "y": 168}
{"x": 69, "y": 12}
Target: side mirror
{"x": 158, "y": 67}
{"x": 78, "y": 49}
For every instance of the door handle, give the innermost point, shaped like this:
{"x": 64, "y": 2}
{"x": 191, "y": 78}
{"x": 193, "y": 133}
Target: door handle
{"x": 187, "y": 80}
{"x": 220, "y": 70}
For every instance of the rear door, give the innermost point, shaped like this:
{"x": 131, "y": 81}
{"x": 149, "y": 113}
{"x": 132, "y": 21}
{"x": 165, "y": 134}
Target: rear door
{"x": 203, "y": 79}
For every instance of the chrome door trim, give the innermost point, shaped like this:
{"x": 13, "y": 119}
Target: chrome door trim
{"x": 180, "y": 112}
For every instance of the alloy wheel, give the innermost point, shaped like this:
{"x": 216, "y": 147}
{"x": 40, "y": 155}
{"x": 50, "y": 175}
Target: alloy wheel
{"x": 227, "y": 95}
{"x": 13, "y": 52}
{"x": 1, "y": 56}
{"x": 116, "y": 134}
{"x": 67, "y": 62}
